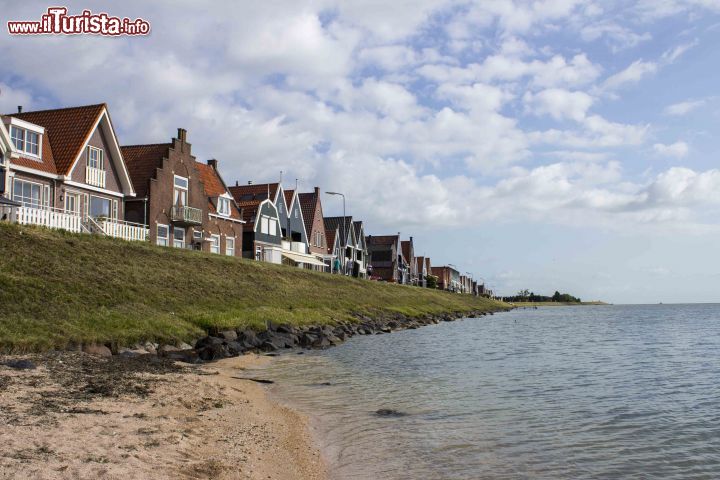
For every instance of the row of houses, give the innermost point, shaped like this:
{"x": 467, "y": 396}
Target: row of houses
{"x": 65, "y": 169}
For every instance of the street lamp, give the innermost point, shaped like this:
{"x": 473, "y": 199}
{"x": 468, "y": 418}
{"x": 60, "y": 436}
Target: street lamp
{"x": 344, "y": 228}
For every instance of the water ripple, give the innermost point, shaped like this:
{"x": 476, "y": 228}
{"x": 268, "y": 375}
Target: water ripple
{"x": 563, "y": 393}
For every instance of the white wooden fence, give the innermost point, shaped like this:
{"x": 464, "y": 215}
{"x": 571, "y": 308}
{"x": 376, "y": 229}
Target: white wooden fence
{"x": 125, "y": 230}
{"x": 49, "y": 217}
{"x": 73, "y": 222}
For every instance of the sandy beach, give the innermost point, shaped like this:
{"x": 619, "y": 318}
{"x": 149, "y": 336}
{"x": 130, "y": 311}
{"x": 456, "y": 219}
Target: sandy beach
{"x": 79, "y": 416}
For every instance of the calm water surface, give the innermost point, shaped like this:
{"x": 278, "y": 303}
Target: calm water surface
{"x": 557, "y": 393}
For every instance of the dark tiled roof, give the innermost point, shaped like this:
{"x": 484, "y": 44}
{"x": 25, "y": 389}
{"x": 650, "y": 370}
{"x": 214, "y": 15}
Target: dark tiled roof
{"x": 337, "y": 222}
{"x": 358, "y": 224}
{"x": 307, "y": 205}
{"x": 67, "y": 130}
{"x": 419, "y": 263}
{"x": 288, "y": 198}
{"x": 381, "y": 239}
{"x": 405, "y": 245}
{"x": 142, "y": 161}
{"x": 239, "y": 192}
{"x": 330, "y": 237}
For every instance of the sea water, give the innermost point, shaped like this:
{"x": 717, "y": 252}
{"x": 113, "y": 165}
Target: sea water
{"x": 556, "y": 393}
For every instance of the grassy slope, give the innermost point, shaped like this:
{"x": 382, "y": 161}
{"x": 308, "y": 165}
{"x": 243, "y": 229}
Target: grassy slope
{"x": 58, "y": 288}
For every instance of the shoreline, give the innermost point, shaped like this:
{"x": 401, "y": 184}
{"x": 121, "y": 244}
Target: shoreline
{"x": 76, "y": 415}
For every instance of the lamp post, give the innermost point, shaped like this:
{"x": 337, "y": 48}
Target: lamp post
{"x": 344, "y": 228}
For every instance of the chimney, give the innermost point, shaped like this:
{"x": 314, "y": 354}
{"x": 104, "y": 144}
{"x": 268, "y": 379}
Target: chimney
{"x": 213, "y": 163}
{"x": 249, "y": 182}
{"x": 19, "y": 108}
{"x": 317, "y": 191}
{"x": 182, "y": 135}
{"x": 237, "y": 184}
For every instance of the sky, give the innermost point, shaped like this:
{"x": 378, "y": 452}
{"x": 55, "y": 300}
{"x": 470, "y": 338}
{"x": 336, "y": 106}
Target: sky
{"x": 544, "y": 145}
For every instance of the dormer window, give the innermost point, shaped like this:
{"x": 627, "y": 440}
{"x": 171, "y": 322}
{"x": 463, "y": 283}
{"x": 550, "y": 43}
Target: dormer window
{"x": 223, "y": 206}
{"x": 25, "y": 141}
{"x": 96, "y": 158}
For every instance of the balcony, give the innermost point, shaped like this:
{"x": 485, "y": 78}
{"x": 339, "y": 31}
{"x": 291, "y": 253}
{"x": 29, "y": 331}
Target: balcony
{"x": 95, "y": 177}
{"x": 186, "y": 215}
{"x": 299, "y": 247}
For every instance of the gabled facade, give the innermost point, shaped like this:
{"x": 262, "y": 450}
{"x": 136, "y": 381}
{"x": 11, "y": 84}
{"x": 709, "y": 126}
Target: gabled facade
{"x": 448, "y": 278}
{"x": 290, "y": 225}
{"x": 67, "y": 171}
{"x": 6, "y": 151}
{"x": 361, "y": 252}
{"x": 422, "y": 272}
{"x": 311, "y": 209}
{"x": 385, "y": 257}
{"x": 408, "y": 251}
{"x": 185, "y": 203}
{"x": 295, "y": 233}
{"x": 262, "y": 236}
{"x": 349, "y": 255}
{"x": 223, "y": 226}
{"x": 428, "y": 270}
{"x": 333, "y": 256}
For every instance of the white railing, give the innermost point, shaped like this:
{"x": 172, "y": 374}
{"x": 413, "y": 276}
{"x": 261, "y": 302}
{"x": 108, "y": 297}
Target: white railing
{"x": 49, "y": 217}
{"x": 73, "y": 222}
{"x": 289, "y": 246}
{"x": 95, "y": 176}
{"x": 126, "y": 230}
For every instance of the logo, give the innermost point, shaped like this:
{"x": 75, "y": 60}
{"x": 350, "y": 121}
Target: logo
{"x": 56, "y": 21}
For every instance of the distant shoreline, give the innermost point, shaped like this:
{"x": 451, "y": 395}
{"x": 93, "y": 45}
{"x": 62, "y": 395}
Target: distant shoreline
{"x": 556, "y": 304}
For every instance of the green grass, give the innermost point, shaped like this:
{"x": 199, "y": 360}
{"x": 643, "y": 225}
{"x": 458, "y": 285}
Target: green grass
{"x": 58, "y": 289}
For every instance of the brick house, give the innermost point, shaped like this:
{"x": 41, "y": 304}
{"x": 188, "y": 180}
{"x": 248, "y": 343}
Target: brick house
{"x": 385, "y": 257}
{"x": 351, "y": 257}
{"x": 185, "y": 203}
{"x": 312, "y": 214}
{"x": 67, "y": 171}
{"x": 408, "y": 252}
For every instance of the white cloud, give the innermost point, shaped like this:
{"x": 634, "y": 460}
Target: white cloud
{"x": 632, "y": 74}
{"x": 560, "y": 104}
{"x": 617, "y": 36}
{"x": 683, "y": 108}
{"x": 675, "y": 150}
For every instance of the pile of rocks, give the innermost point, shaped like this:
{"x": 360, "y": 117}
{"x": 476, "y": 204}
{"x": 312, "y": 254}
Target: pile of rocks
{"x": 231, "y": 343}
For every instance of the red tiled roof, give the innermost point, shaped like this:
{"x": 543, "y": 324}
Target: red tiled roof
{"x": 214, "y": 187}
{"x": 67, "y": 130}
{"x": 419, "y": 263}
{"x": 142, "y": 161}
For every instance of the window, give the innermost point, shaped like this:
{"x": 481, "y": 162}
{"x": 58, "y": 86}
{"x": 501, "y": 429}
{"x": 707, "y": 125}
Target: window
{"x": 214, "y": 243}
{"x": 181, "y": 189}
{"x": 162, "y": 235}
{"x": 25, "y": 141}
{"x": 99, "y": 207}
{"x": 115, "y": 209}
{"x": 96, "y": 158}
{"x": 264, "y": 225}
{"x": 296, "y": 212}
{"x": 229, "y": 246}
{"x": 178, "y": 237}
{"x": 29, "y": 194}
{"x": 273, "y": 227}
{"x": 18, "y": 138}
{"x": 197, "y": 236}
{"x": 223, "y": 206}
{"x": 72, "y": 203}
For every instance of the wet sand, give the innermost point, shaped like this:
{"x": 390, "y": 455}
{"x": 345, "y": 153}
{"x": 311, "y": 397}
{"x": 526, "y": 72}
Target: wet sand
{"x": 78, "y": 416}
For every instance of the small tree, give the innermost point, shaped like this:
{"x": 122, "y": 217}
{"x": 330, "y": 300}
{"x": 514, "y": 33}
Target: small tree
{"x": 432, "y": 281}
